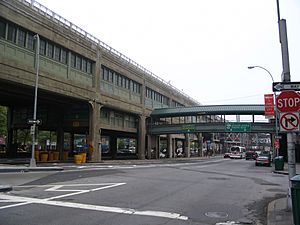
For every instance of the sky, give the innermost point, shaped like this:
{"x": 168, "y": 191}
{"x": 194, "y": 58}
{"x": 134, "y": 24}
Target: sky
{"x": 202, "y": 47}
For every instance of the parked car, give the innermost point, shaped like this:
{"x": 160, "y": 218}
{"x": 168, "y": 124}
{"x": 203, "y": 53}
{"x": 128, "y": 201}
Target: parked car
{"x": 250, "y": 155}
{"x": 227, "y": 155}
{"x": 263, "y": 160}
{"x": 266, "y": 153}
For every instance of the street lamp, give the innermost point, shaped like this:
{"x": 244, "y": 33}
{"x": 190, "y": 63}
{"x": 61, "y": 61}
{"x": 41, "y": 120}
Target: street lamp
{"x": 33, "y": 127}
{"x": 252, "y": 67}
{"x": 276, "y": 125}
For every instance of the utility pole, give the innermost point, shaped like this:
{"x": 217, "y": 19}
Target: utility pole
{"x": 34, "y": 121}
{"x": 286, "y": 77}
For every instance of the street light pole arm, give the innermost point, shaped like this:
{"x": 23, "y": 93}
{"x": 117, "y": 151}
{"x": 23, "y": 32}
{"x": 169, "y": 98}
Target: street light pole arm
{"x": 252, "y": 67}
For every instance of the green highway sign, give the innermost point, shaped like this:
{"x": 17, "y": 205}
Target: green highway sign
{"x": 188, "y": 128}
{"x": 238, "y": 127}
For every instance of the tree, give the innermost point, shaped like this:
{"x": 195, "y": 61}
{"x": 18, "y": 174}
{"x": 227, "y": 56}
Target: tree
{"x": 3, "y": 121}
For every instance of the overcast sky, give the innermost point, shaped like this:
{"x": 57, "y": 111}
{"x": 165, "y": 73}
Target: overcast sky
{"x": 202, "y": 47}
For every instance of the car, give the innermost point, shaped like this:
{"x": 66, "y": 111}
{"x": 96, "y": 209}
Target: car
{"x": 263, "y": 160}
{"x": 251, "y": 155}
{"x": 266, "y": 153}
{"x": 227, "y": 155}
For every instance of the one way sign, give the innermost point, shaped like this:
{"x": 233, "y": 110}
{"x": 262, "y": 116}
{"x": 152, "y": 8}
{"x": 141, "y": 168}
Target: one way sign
{"x": 289, "y": 122}
{"x": 284, "y": 86}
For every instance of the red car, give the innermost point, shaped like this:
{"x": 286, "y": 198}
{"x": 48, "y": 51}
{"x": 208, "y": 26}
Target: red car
{"x": 263, "y": 161}
{"x": 227, "y": 155}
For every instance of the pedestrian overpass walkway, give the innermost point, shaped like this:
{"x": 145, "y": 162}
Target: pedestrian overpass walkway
{"x": 209, "y": 119}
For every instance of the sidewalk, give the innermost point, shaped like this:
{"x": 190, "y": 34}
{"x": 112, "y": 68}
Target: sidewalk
{"x": 277, "y": 209}
{"x": 278, "y": 214}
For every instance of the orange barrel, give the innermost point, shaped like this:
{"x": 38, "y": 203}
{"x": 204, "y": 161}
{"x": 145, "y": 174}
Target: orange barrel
{"x": 44, "y": 156}
{"x": 83, "y": 154}
{"x": 66, "y": 155}
{"x": 37, "y": 155}
{"x": 50, "y": 156}
{"x": 78, "y": 159}
{"x": 55, "y": 155}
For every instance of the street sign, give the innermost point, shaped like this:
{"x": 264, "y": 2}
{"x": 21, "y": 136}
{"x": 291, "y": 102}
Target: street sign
{"x": 32, "y": 130}
{"x": 281, "y": 86}
{"x": 238, "y": 127}
{"x": 289, "y": 122}
{"x": 277, "y": 144}
{"x": 188, "y": 128}
{"x": 269, "y": 105}
{"x": 288, "y": 101}
{"x": 32, "y": 121}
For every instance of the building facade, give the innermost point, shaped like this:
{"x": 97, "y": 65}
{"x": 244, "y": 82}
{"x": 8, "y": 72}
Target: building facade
{"x": 89, "y": 93}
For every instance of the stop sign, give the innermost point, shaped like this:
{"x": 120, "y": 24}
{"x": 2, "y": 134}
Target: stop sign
{"x": 288, "y": 101}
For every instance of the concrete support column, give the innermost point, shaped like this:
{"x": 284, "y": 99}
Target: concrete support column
{"x": 149, "y": 146}
{"x": 10, "y": 134}
{"x": 169, "y": 146}
{"x": 60, "y": 141}
{"x": 95, "y": 131}
{"x": 141, "y": 137}
{"x": 174, "y": 147}
{"x": 200, "y": 144}
{"x": 187, "y": 146}
{"x": 157, "y": 148}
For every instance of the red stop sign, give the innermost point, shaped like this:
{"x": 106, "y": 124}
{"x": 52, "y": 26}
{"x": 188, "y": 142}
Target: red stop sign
{"x": 288, "y": 101}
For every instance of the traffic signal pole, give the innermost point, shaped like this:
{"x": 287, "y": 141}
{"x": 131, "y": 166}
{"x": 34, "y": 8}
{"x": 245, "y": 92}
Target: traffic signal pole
{"x": 286, "y": 77}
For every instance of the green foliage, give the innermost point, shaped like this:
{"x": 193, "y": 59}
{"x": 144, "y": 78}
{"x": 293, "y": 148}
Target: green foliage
{"x": 121, "y": 144}
{"x": 3, "y": 121}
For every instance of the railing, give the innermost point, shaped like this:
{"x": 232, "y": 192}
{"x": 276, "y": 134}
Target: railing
{"x": 72, "y": 27}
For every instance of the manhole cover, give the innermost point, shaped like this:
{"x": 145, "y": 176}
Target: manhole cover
{"x": 216, "y": 214}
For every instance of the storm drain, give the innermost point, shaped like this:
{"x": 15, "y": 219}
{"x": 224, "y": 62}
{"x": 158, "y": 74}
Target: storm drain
{"x": 216, "y": 214}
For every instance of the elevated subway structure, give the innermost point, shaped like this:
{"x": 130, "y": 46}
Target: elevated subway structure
{"x": 88, "y": 92}
{"x": 211, "y": 123}
{"x": 206, "y": 118}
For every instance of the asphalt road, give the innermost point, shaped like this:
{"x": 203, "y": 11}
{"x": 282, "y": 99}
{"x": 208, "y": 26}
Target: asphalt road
{"x": 196, "y": 192}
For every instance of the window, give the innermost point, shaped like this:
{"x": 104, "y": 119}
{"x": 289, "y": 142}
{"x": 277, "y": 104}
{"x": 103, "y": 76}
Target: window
{"x": 73, "y": 62}
{"x": 89, "y": 68}
{"x": 78, "y": 62}
{"x": 84, "y": 65}
{"x": 127, "y": 86}
{"x": 111, "y": 76}
{"x": 21, "y": 38}
{"x": 56, "y": 53}
{"x": 2, "y": 29}
{"x": 137, "y": 88}
{"x": 50, "y": 50}
{"x": 11, "y": 35}
{"x": 119, "y": 79}
{"x": 63, "y": 56}
{"x": 105, "y": 74}
{"x": 42, "y": 47}
{"x": 30, "y": 42}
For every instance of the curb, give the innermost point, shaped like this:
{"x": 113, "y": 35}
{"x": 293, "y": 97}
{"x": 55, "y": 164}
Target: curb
{"x": 29, "y": 169}
{"x": 281, "y": 172}
{"x": 5, "y": 188}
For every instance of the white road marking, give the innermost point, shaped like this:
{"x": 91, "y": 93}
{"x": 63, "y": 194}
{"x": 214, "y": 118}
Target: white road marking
{"x": 26, "y": 200}
{"x": 60, "y": 187}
